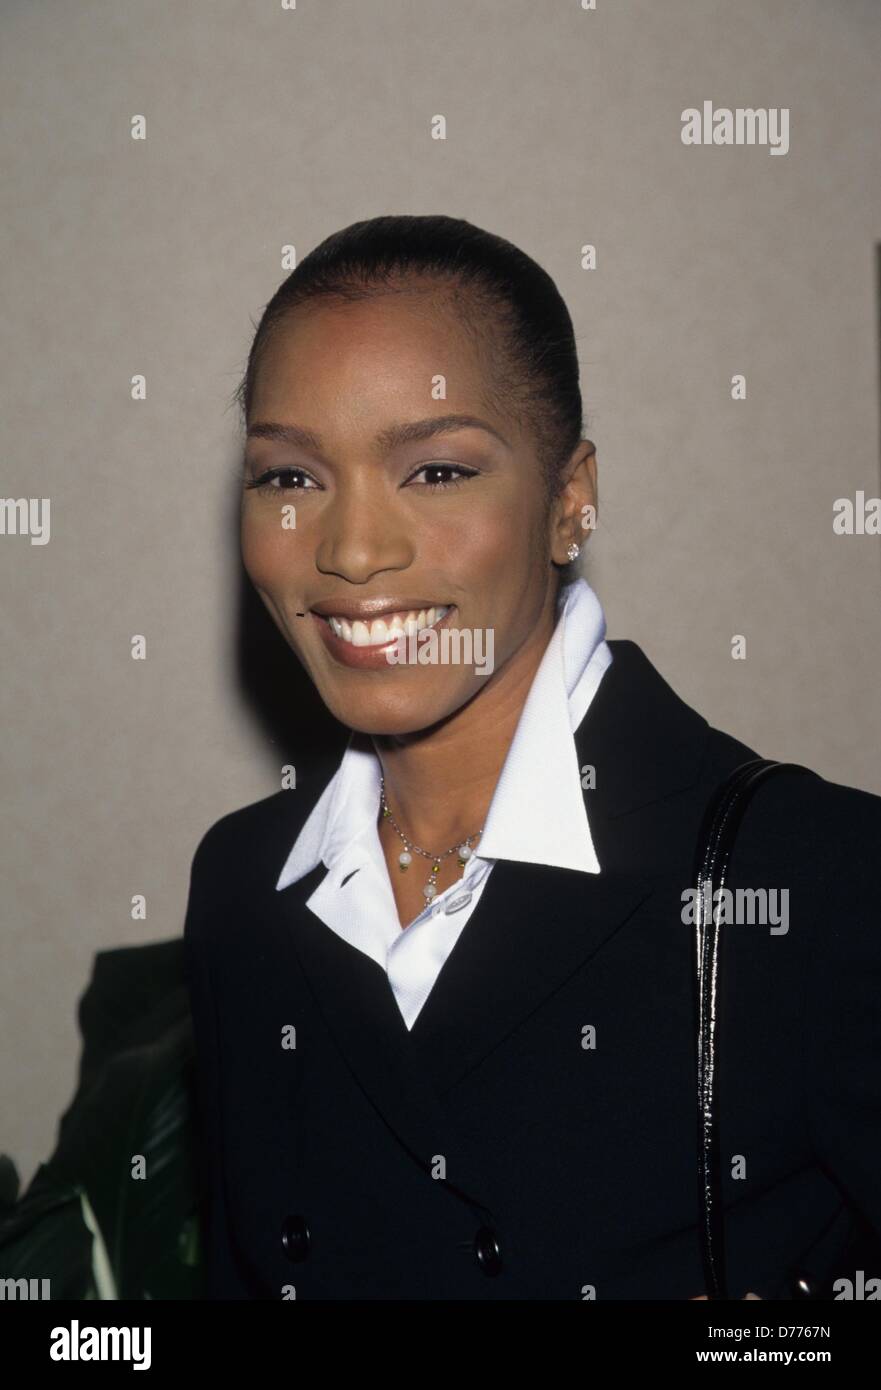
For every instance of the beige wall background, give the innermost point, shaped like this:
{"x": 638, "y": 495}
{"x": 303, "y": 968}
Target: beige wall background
{"x": 269, "y": 126}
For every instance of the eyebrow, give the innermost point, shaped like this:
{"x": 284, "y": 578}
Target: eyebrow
{"x": 406, "y": 432}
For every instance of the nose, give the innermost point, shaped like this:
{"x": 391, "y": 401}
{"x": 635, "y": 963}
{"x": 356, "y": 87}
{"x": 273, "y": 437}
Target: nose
{"x": 362, "y": 534}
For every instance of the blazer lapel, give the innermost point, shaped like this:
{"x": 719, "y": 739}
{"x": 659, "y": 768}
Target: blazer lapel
{"x": 533, "y": 927}
{"x": 536, "y": 925}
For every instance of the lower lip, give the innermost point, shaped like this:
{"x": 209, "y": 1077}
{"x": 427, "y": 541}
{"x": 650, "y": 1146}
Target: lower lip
{"x": 366, "y": 658}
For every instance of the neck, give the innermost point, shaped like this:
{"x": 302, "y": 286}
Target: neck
{"x": 439, "y": 783}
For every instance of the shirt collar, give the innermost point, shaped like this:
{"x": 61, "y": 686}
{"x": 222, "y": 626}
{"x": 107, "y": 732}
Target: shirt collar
{"x": 537, "y": 813}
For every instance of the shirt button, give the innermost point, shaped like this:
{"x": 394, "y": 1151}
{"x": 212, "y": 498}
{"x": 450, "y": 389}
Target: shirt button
{"x": 457, "y": 903}
{"x": 487, "y": 1251}
{"x": 295, "y": 1238}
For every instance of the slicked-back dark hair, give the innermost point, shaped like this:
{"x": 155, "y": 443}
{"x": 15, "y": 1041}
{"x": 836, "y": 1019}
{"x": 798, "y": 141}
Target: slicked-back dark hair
{"x": 509, "y": 305}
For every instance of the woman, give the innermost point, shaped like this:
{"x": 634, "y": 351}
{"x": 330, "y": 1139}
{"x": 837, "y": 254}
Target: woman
{"x": 443, "y": 999}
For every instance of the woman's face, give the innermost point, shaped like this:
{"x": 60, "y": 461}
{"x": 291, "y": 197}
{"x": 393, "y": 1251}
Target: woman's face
{"x": 344, "y": 421}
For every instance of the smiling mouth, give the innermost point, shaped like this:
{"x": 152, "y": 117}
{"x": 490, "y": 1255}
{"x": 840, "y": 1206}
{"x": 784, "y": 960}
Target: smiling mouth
{"x": 380, "y": 631}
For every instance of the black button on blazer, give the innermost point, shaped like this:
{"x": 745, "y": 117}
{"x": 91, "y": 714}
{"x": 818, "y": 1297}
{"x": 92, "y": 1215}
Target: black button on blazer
{"x": 552, "y": 1067}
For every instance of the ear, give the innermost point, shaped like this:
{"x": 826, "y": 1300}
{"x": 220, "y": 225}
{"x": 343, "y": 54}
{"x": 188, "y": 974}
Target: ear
{"x": 574, "y": 509}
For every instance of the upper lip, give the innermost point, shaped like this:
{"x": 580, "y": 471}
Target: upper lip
{"x": 368, "y": 609}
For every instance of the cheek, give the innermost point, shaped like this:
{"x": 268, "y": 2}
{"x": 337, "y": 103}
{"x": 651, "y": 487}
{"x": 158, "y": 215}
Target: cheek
{"x": 499, "y": 555}
{"x": 488, "y": 541}
{"x": 270, "y": 553}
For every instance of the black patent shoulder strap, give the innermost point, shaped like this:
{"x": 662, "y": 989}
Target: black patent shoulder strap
{"x": 715, "y": 842}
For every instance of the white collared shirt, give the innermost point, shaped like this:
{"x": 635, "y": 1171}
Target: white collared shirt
{"x": 537, "y": 815}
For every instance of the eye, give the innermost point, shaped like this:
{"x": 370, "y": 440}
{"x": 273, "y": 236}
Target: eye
{"x": 466, "y": 473}
{"x": 266, "y": 481}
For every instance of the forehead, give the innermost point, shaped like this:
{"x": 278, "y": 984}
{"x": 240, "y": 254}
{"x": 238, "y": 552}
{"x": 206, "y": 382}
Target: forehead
{"x": 414, "y": 345}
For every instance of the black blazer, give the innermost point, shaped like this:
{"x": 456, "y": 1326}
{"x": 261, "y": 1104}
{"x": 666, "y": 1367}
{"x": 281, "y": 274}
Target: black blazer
{"x": 487, "y": 1153}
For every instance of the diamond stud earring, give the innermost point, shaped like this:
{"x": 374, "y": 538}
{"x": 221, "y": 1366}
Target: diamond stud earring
{"x": 574, "y": 551}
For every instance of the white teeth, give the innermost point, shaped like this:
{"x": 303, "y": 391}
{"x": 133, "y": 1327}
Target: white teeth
{"x": 389, "y": 626}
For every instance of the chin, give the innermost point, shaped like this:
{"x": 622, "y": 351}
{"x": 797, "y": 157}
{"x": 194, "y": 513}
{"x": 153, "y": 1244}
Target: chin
{"x": 391, "y": 714}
